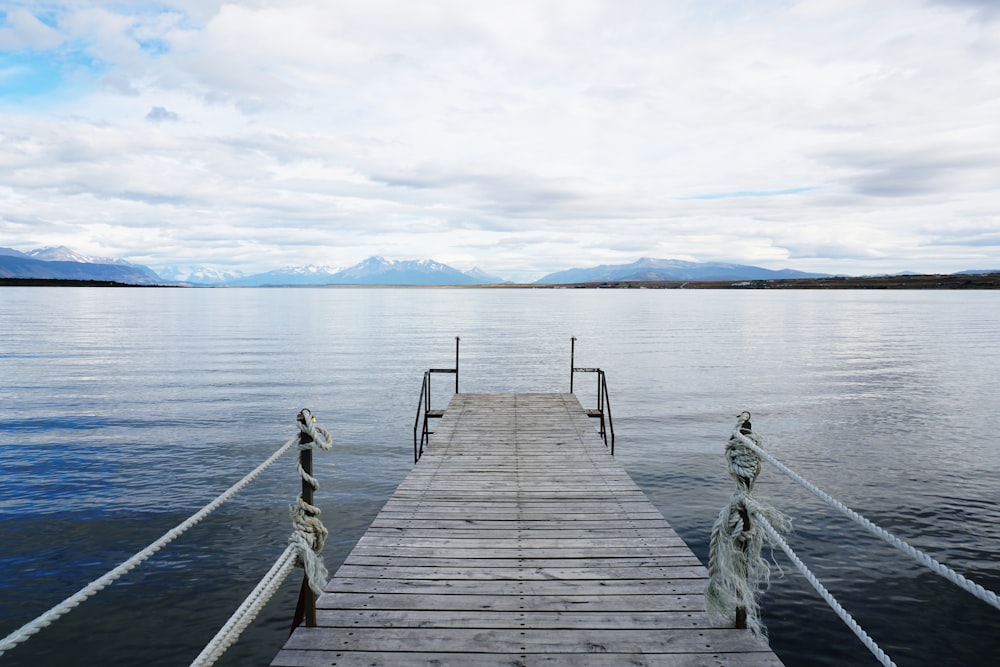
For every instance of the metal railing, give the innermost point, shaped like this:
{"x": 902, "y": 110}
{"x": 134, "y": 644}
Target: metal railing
{"x": 603, "y": 410}
{"x": 421, "y": 424}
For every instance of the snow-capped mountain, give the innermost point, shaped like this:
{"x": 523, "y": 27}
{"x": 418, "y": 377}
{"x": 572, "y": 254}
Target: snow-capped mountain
{"x": 290, "y": 275}
{"x": 63, "y": 254}
{"x": 483, "y": 278}
{"x": 62, "y": 263}
{"x": 200, "y": 275}
{"x": 381, "y": 271}
{"x": 371, "y": 271}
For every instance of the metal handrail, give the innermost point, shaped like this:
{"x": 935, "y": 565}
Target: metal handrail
{"x": 421, "y": 436}
{"x": 603, "y": 411}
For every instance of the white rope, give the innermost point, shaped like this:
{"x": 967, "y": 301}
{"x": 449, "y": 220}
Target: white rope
{"x": 736, "y": 569}
{"x": 24, "y": 632}
{"x": 303, "y": 548}
{"x": 825, "y": 594}
{"x": 248, "y": 611}
{"x": 987, "y": 596}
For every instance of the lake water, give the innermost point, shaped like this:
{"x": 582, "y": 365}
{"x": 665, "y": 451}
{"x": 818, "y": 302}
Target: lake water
{"x": 122, "y": 411}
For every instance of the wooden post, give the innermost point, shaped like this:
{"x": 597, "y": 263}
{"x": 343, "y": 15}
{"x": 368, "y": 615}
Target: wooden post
{"x": 741, "y": 611}
{"x": 305, "y": 609}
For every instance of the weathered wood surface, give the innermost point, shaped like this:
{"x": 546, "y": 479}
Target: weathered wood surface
{"x": 518, "y": 540}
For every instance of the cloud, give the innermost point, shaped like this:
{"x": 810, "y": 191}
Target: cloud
{"x": 916, "y": 173}
{"x": 161, "y": 114}
{"x": 20, "y": 29}
{"x": 527, "y": 134}
{"x": 982, "y": 9}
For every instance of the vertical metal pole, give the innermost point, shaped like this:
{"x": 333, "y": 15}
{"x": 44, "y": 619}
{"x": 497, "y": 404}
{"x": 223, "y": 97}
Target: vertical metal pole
{"x": 425, "y": 438}
{"x": 306, "y": 607}
{"x": 572, "y": 361}
{"x": 456, "y": 363}
{"x": 600, "y": 396}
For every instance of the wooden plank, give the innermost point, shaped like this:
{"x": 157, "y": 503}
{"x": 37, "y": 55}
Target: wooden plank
{"x": 442, "y": 601}
{"x": 684, "y": 585}
{"x": 582, "y": 523}
{"x": 480, "y": 572}
{"x": 680, "y": 559}
{"x": 500, "y": 552}
{"x": 528, "y": 640}
{"x": 487, "y": 542}
{"x": 306, "y": 658}
{"x": 423, "y": 618}
{"x": 562, "y": 534}
{"x": 517, "y": 539}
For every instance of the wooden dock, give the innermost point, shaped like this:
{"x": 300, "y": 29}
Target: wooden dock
{"x": 518, "y": 540}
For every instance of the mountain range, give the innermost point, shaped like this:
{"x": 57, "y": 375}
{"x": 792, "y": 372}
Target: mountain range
{"x": 647, "y": 268}
{"x": 61, "y": 263}
{"x": 372, "y": 271}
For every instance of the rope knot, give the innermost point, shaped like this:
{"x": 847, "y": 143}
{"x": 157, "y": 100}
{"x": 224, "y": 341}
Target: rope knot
{"x": 736, "y": 569}
{"x": 308, "y": 538}
{"x": 310, "y": 429}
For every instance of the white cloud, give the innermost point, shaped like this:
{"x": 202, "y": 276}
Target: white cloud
{"x": 522, "y": 136}
{"x": 23, "y": 30}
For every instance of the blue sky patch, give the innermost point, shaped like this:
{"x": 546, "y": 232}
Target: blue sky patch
{"x": 26, "y": 75}
{"x": 154, "y": 47}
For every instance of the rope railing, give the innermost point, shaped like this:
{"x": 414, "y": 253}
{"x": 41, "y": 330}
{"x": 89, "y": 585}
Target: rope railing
{"x": 735, "y": 565}
{"x": 248, "y": 611}
{"x": 848, "y": 620}
{"x": 305, "y": 545}
{"x": 939, "y": 568}
{"x": 46, "y": 619}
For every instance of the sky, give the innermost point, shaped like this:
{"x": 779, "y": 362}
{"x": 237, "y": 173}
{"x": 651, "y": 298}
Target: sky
{"x": 522, "y": 137}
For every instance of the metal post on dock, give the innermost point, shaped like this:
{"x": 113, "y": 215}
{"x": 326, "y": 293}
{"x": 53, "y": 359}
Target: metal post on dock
{"x": 572, "y": 361}
{"x": 457, "y": 339}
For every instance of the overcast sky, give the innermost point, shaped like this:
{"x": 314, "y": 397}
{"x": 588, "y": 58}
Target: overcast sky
{"x": 522, "y": 136}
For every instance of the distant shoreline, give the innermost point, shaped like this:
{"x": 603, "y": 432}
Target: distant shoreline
{"x": 985, "y": 281}
{"x": 910, "y": 282}
{"x": 52, "y": 282}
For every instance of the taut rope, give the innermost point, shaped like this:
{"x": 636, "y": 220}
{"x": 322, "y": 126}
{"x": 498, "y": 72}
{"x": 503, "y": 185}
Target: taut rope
{"x": 966, "y": 584}
{"x": 304, "y": 546}
{"x": 72, "y": 602}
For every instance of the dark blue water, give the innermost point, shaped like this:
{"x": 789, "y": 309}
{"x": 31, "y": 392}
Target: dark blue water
{"x": 124, "y": 411}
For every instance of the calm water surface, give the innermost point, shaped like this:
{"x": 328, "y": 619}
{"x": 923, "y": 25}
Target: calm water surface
{"x": 122, "y": 411}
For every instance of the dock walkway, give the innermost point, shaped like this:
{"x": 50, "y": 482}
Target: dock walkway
{"x": 518, "y": 540}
